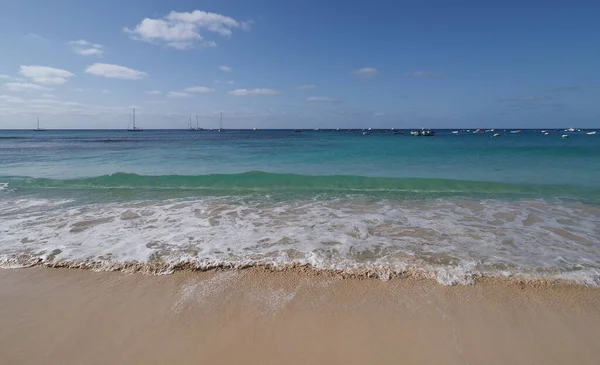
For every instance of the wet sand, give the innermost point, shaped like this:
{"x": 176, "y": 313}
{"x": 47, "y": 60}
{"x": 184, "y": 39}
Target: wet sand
{"x": 66, "y": 316}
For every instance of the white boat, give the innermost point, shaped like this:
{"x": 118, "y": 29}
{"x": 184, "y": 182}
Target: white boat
{"x": 254, "y": 129}
{"x": 365, "y": 133}
{"x": 565, "y": 136}
{"x": 570, "y": 129}
{"x": 135, "y": 129}
{"x": 191, "y": 127}
{"x": 38, "y": 129}
{"x": 591, "y": 133}
{"x": 516, "y": 131}
{"x": 546, "y": 133}
{"x": 454, "y": 132}
{"x": 221, "y": 124}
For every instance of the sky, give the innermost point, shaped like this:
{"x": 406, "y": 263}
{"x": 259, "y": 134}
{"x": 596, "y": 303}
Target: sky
{"x": 299, "y": 64}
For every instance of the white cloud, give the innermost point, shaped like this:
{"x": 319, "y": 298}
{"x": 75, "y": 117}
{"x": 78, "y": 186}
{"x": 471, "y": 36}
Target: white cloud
{"x": 49, "y": 95}
{"x": 322, "y": 99}
{"x": 154, "y": 92}
{"x": 198, "y": 89}
{"x": 6, "y": 77}
{"x": 177, "y": 94}
{"x": 366, "y": 72}
{"x": 85, "y": 48}
{"x": 105, "y": 91}
{"x": 25, "y": 86}
{"x": 181, "y": 30}
{"x": 79, "y": 90}
{"x": 46, "y": 75}
{"x": 114, "y": 71}
{"x": 11, "y": 99}
{"x": 306, "y": 87}
{"x": 36, "y": 37}
{"x": 245, "y": 92}
{"x": 225, "y": 68}
{"x": 423, "y": 74}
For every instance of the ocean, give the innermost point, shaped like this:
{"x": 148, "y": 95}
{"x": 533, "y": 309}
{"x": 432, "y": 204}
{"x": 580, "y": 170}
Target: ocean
{"x": 453, "y": 207}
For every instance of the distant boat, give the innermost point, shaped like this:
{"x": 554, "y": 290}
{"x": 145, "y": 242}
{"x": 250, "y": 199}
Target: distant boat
{"x": 191, "y": 127}
{"x": 366, "y": 133}
{"x": 221, "y": 123}
{"x": 337, "y": 130}
{"x": 565, "y": 136}
{"x": 254, "y": 129}
{"x": 38, "y": 129}
{"x": 546, "y": 134}
{"x": 423, "y": 133}
{"x": 454, "y": 132}
{"x": 591, "y": 133}
{"x": 496, "y": 135}
{"x": 515, "y": 131}
{"x": 298, "y": 130}
{"x": 570, "y": 129}
{"x": 544, "y": 131}
{"x": 134, "y": 129}
{"x": 317, "y": 129}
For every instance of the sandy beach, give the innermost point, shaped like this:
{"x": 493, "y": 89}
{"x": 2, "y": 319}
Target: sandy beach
{"x": 253, "y": 316}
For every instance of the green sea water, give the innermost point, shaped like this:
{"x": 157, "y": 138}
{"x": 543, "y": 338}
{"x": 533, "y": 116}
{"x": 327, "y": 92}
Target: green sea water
{"x": 456, "y": 205}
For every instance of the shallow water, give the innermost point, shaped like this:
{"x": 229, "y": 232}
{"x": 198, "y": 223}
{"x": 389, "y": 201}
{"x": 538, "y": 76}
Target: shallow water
{"x": 452, "y": 206}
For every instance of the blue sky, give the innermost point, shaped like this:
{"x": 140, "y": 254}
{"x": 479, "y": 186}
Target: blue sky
{"x": 287, "y": 64}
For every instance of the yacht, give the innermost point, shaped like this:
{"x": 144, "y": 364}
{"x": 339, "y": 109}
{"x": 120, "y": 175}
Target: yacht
{"x": 135, "y": 129}
{"x": 38, "y": 129}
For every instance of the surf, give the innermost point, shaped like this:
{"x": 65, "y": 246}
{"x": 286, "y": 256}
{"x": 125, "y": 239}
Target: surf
{"x": 258, "y": 181}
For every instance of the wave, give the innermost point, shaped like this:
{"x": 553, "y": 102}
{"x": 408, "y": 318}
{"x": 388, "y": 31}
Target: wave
{"x": 272, "y": 182}
{"x": 462, "y": 274}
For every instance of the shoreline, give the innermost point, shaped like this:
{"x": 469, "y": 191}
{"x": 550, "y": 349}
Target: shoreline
{"x": 383, "y": 274}
{"x": 298, "y": 316}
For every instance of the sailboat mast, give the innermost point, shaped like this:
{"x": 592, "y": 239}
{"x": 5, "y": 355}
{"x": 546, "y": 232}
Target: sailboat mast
{"x": 133, "y": 118}
{"x": 221, "y": 121}
{"x": 38, "y": 125}
{"x": 197, "y": 125}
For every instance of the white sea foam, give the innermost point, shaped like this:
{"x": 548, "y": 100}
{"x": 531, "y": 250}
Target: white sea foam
{"x": 452, "y": 241}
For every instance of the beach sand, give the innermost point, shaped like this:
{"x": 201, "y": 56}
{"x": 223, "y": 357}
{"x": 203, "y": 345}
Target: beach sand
{"x": 254, "y": 316}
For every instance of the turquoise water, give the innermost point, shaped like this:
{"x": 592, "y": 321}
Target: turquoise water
{"x": 453, "y": 205}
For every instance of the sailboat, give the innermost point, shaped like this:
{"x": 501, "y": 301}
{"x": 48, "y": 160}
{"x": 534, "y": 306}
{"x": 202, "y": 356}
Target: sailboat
{"x": 191, "y": 127}
{"x": 198, "y": 125}
{"x": 221, "y": 123}
{"x": 38, "y": 129}
{"x": 135, "y": 129}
